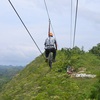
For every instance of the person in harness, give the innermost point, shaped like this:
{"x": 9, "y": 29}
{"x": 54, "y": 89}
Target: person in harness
{"x": 50, "y": 46}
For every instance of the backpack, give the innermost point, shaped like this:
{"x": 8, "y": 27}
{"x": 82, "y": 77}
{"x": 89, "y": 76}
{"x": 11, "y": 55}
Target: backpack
{"x": 50, "y": 43}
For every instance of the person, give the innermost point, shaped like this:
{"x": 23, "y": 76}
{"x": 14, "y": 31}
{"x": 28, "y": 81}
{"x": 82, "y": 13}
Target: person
{"x": 50, "y": 46}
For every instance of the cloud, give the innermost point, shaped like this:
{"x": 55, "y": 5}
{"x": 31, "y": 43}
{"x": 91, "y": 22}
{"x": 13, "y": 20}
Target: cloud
{"x": 16, "y": 45}
{"x": 19, "y": 55}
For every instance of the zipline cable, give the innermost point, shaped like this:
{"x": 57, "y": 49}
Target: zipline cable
{"x": 75, "y": 23}
{"x": 47, "y": 10}
{"x": 71, "y": 24}
{"x": 49, "y": 18}
{"x": 25, "y": 27}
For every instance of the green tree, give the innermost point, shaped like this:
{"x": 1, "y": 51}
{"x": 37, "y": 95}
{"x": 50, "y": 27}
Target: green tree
{"x": 95, "y": 50}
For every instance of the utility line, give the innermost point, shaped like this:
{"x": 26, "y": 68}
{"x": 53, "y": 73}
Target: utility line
{"x": 25, "y": 26}
{"x": 75, "y": 23}
{"x": 49, "y": 17}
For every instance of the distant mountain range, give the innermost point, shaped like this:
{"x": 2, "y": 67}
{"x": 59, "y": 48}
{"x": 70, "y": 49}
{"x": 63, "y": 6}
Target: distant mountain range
{"x": 7, "y": 72}
{"x": 10, "y": 66}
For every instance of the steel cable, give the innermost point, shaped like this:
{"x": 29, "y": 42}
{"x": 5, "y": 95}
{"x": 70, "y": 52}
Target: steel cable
{"x": 25, "y": 27}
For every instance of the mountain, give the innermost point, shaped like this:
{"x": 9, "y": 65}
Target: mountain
{"x": 7, "y": 73}
{"x": 37, "y": 82}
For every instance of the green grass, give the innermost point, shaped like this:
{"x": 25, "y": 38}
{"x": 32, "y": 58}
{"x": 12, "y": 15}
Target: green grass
{"x": 37, "y": 82}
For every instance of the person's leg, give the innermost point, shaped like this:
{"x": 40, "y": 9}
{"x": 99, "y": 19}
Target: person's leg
{"x": 54, "y": 53}
{"x": 46, "y": 54}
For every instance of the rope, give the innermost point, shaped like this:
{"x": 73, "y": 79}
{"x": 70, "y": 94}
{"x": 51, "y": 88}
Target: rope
{"x": 75, "y": 23}
{"x": 25, "y": 26}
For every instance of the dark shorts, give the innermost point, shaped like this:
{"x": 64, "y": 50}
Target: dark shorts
{"x": 47, "y": 51}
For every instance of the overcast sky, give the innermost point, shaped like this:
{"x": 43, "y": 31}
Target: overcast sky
{"x": 16, "y": 46}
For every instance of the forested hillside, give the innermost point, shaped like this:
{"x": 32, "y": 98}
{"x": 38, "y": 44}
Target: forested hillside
{"x": 38, "y": 82}
{"x": 7, "y": 73}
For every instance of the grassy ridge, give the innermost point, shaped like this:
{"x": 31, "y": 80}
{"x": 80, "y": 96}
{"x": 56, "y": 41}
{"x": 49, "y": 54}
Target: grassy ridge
{"x": 38, "y": 82}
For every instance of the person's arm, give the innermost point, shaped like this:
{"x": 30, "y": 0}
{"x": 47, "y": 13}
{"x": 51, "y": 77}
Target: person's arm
{"x": 45, "y": 42}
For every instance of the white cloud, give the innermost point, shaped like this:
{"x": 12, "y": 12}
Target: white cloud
{"x": 15, "y": 54}
{"x": 16, "y": 44}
